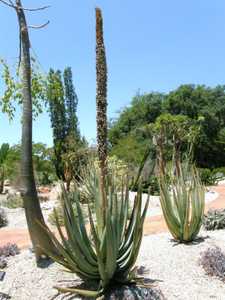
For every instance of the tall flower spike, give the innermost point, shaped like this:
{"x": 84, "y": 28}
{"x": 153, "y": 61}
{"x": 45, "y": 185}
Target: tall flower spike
{"x": 101, "y": 102}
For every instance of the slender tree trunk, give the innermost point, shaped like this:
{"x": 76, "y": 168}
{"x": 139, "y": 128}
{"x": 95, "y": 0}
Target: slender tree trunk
{"x": 101, "y": 103}
{"x": 39, "y": 238}
{"x": 2, "y": 180}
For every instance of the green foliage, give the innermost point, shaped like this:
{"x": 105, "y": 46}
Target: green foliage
{"x": 144, "y": 109}
{"x": 60, "y": 215}
{"x": 13, "y": 201}
{"x": 211, "y": 177}
{"x": 151, "y": 185}
{"x": 202, "y": 105}
{"x": 71, "y": 102}
{"x": 69, "y": 148}
{"x": 207, "y": 177}
{"x": 4, "y": 150}
{"x": 43, "y": 165}
{"x": 88, "y": 180}
{"x": 12, "y": 94}
{"x": 214, "y": 219}
{"x": 182, "y": 199}
{"x": 110, "y": 258}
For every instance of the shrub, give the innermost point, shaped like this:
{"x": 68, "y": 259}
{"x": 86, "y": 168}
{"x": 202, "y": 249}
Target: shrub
{"x": 13, "y": 201}
{"x": 211, "y": 177}
{"x": 3, "y": 218}
{"x": 151, "y": 185}
{"x": 214, "y": 219}
{"x": 207, "y": 177}
{"x": 213, "y": 262}
{"x": 6, "y": 251}
{"x": 9, "y": 250}
{"x": 182, "y": 199}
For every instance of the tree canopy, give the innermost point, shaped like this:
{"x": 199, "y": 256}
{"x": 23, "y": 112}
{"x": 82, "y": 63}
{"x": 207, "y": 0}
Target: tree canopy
{"x": 199, "y": 103}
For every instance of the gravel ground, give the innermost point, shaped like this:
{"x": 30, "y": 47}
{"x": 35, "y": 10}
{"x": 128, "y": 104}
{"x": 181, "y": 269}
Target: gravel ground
{"x": 174, "y": 268}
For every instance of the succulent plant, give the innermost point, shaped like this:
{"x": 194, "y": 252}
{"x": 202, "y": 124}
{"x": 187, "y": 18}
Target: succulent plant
{"x": 3, "y": 218}
{"x": 108, "y": 255}
{"x": 213, "y": 262}
{"x": 214, "y": 219}
{"x": 182, "y": 198}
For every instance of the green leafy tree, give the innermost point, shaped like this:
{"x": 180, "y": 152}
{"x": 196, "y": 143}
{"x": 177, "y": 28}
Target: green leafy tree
{"x": 209, "y": 105}
{"x": 71, "y": 101}
{"x": 57, "y": 109}
{"x": 69, "y": 147}
{"x": 199, "y": 103}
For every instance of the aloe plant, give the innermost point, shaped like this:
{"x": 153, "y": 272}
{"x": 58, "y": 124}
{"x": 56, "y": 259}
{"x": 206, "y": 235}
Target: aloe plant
{"x": 182, "y": 200}
{"x": 108, "y": 253}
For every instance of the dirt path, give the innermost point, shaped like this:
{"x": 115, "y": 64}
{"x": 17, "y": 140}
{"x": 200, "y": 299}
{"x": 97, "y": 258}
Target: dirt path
{"x": 152, "y": 225}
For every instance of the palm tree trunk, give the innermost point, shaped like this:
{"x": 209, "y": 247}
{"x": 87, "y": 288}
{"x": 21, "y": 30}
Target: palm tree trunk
{"x": 39, "y": 238}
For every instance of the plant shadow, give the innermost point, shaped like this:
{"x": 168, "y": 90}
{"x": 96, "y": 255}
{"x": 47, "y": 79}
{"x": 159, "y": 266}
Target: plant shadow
{"x": 196, "y": 241}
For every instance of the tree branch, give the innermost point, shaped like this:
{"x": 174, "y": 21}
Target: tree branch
{"x": 35, "y": 9}
{"x": 11, "y": 4}
{"x": 39, "y": 26}
{"x": 8, "y": 4}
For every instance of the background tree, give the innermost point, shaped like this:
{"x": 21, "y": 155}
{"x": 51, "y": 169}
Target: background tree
{"x": 71, "y": 102}
{"x": 57, "y": 109}
{"x": 197, "y": 102}
{"x": 69, "y": 147}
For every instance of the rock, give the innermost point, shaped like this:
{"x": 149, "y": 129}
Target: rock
{"x": 2, "y": 275}
{"x": 134, "y": 292}
{"x": 4, "y": 296}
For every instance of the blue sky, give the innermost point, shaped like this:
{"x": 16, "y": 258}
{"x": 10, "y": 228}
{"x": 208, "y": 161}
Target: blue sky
{"x": 152, "y": 45}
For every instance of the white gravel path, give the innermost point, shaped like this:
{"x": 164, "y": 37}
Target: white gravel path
{"x": 174, "y": 267}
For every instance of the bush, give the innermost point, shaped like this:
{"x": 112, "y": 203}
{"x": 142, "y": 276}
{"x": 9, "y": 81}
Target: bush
{"x": 9, "y": 250}
{"x": 6, "y": 251}
{"x": 214, "y": 219}
{"x": 207, "y": 177}
{"x": 213, "y": 262}
{"x": 151, "y": 185}
{"x": 13, "y": 201}
{"x": 3, "y": 218}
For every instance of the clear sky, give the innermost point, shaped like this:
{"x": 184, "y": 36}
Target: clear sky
{"x": 152, "y": 45}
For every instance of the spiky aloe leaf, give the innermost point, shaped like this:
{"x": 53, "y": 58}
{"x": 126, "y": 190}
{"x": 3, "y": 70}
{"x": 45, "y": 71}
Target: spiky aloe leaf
{"x": 182, "y": 201}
